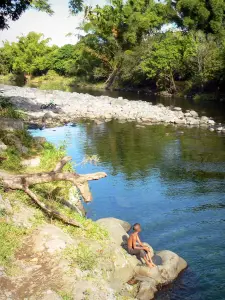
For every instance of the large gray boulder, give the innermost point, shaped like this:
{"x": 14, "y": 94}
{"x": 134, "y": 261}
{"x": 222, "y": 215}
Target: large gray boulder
{"x": 161, "y": 275}
{"x": 116, "y": 229}
{"x": 11, "y": 124}
{"x": 150, "y": 278}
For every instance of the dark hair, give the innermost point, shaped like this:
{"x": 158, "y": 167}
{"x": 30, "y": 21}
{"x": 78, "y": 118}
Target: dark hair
{"x": 135, "y": 225}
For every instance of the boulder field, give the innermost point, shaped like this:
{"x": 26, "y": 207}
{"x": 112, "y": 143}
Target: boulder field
{"x": 72, "y": 106}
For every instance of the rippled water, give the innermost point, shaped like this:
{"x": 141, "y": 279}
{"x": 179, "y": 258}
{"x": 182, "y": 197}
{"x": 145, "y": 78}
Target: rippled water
{"x": 172, "y": 182}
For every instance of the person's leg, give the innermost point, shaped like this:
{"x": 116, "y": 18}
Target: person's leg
{"x": 144, "y": 255}
{"x": 149, "y": 258}
{"x": 147, "y": 262}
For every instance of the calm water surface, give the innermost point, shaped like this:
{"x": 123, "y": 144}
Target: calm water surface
{"x": 172, "y": 182}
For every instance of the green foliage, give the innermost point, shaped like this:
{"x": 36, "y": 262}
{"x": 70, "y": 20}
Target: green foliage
{"x": 51, "y": 156}
{"x": 205, "y": 15}
{"x": 82, "y": 256}
{"x": 129, "y": 43}
{"x": 163, "y": 60}
{"x": 8, "y": 111}
{"x": 12, "y": 162}
{"x": 11, "y": 239}
{"x": 65, "y": 295}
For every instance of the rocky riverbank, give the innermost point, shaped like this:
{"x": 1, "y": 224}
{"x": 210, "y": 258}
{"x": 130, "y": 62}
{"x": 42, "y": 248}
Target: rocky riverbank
{"x": 73, "y": 106}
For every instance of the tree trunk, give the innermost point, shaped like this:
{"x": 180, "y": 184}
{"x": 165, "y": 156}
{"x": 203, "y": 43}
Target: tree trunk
{"x": 111, "y": 79}
{"x": 172, "y": 83}
{"x": 24, "y": 181}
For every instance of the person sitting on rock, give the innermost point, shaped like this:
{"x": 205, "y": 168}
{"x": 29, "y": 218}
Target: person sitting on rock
{"x": 135, "y": 246}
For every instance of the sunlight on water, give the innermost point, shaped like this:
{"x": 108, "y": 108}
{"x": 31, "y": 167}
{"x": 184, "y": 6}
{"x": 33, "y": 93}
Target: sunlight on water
{"x": 169, "y": 180}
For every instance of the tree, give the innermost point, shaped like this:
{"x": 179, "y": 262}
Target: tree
{"x": 163, "y": 60}
{"x": 119, "y": 27}
{"x": 203, "y": 57}
{"x": 62, "y": 58}
{"x": 29, "y": 54}
{"x": 13, "y": 9}
{"x": 205, "y": 15}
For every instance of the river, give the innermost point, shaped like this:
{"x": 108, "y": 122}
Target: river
{"x": 169, "y": 179}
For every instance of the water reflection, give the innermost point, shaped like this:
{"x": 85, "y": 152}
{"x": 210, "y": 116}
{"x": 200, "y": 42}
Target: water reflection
{"x": 196, "y": 154}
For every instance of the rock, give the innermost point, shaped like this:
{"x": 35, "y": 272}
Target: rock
{"x": 11, "y": 124}
{"x": 3, "y": 147}
{"x": 219, "y": 128}
{"x": 51, "y": 239}
{"x": 192, "y": 121}
{"x": 194, "y": 114}
{"x": 180, "y": 121}
{"x": 177, "y": 109}
{"x": 40, "y": 140}
{"x": 48, "y": 115}
{"x": 211, "y": 122}
{"x": 32, "y": 162}
{"x": 115, "y": 229}
{"x": 187, "y": 114}
{"x": 161, "y": 275}
{"x": 147, "y": 290}
{"x": 126, "y": 226}
{"x": 204, "y": 120}
{"x": 211, "y": 129}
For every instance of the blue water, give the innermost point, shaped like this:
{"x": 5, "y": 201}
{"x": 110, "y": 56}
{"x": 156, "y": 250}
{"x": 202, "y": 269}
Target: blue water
{"x": 169, "y": 180}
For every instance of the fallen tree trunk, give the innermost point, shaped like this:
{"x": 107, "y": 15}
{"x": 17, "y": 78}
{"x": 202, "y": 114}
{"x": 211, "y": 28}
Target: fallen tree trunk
{"x": 24, "y": 181}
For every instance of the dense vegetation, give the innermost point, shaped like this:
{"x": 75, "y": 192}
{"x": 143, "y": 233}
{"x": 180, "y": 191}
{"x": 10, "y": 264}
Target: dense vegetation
{"x": 174, "y": 46}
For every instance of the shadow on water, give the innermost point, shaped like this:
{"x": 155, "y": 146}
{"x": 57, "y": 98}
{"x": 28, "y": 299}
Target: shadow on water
{"x": 169, "y": 179}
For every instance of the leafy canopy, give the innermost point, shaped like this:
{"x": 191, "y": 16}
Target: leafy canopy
{"x": 205, "y": 15}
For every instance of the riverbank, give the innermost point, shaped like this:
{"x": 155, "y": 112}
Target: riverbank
{"x": 42, "y": 257}
{"x": 73, "y": 106}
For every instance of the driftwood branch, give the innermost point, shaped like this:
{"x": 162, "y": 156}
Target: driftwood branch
{"x": 24, "y": 181}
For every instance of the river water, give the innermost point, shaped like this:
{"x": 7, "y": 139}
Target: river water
{"x": 171, "y": 180}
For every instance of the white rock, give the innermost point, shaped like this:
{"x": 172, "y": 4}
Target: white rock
{"x": 177, "y": 109}
{"x": 204, "y": 119}
{"x": 194, "y": 113}
{"x": 211, "y": 122}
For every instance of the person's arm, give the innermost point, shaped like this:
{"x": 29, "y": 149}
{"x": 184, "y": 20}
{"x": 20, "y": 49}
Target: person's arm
{"x": 139, "y": 241}
{"x": 135, "y": 238}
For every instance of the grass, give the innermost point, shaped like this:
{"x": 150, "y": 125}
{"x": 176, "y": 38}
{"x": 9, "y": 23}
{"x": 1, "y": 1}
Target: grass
{"x": 7, "y": 110}
{"x": 65, "y": 295}
{"x": 82, "y": 256}
{"x": 11, "y": 239}
{"x": 12, "y": 162}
